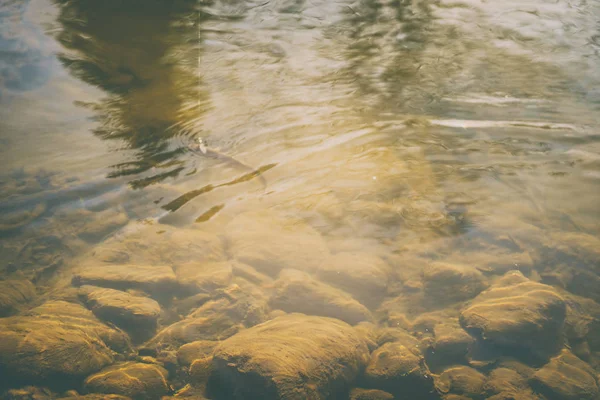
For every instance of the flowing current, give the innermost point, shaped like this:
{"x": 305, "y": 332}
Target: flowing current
{"x": 300, "y": 199}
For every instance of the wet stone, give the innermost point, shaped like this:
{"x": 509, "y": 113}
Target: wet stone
{"x": 136, "y": 380}
{"x": 217, "y": 319}
{"x": 400, "y": 370}
{"x": 13, "y": 293}
{"x": 518, "y": 313}
{"x": 28, "y": 393}
{"x": 566, "y": 377}
{"x": 203, "y": 277}
{"x": 143, "y": 246}
{"x": 195, "y": 350}
{"x": 94, "y": 396}
{"x": 449, "y": 283}
{"x": 370, "y": 394}
{"x": 270, "y": 242}
{"x": 290, "y": 357}
{"x": 200, "y": 371}
{"x": 296, "y": 291}
{"x": 363, "y": 275}
{"x": 451, "y": 343}
{"x": 249, "y": 273}
{"x": 134, "y": 314}
{"x": 506, "y": 380}
{"x": 57, "y": 341}
{"x": 156, "y": 279}
{"x": 461, "y": 380}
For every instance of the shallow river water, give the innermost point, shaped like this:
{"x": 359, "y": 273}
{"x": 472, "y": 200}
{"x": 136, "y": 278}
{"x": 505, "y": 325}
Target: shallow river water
{"x": 300, "y": 199}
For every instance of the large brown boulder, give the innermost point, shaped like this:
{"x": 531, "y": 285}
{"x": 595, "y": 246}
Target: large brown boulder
{"x": 217, "y": 319}
{"x": 398, "y": 367}
{"x": 296, "y": 291}
{"x": 57, "y": 340}
{"x": 519, "y": 314}
{"x": 290, "y": 357}
{"x": 566, "y": 377}
{"x": 155, "y": 279}
{"x": 199, "y": 349}
{"x": 370, "y": 394}
{"x": 203, "y": 277}
{"x": 135, "y": 380}
{"x": 461, "y": 380}
{"x": 141, "y": 245}
{"x": 134, "y": 314}
{"x": 447, "y": 283}
{"x": 270, "y": 242}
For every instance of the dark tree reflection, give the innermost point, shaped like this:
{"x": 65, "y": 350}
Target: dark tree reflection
{"x": 144, "y": 55}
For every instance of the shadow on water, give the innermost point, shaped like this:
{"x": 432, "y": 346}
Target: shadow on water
{"x": 147, "y": 64}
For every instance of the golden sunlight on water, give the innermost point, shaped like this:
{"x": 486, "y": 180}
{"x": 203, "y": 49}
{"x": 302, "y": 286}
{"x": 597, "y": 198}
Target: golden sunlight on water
{"x": 299, "y": 199}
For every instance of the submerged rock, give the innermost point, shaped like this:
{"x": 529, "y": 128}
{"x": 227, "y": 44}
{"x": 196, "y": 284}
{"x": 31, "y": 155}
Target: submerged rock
{"x": 400, "y": 369}
{"x": 566, "y": 377}
{"x": 156, "y": 279}
{"x": 136, "y": 380}
{"x": 504, "y": 381}
{"x": 94, "y": 396}
{"x": 217, "y": 319}
{"x": 461, "y": 380}
{"x": 270, "y": 242}
{"x": 363, "y": 275}
{"x": 519, "y": 314}
{"x": 57, "y": 341}
{"x": 13, "y": 293}
{"x": 195, "y": 350}
{"x": 370, "y": 394}
{"x": 451, "y": 342}
{"x": 290, "y": 357}
{"x": 447, "y": 283}
{"x": 296, "y": 291}
{"x": 28, "y": 393}
{"x": 134, "y": 314}
{"x": 250, "y": 274}
{"x": 203, "y": 277}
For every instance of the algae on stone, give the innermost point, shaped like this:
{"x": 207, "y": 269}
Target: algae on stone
{"x": 136, "y": 380}
{"x": 57, "y": 340}
{"x": 296, "y": 291}
{"x": 293, "y": 357}
{"x": 447, "y": 283}
{"x": 518, "y": 313}
{"x": 566, "y": 377}
{"x": 156, "y": 279}
{"x": 399, "y": 368}
{"x": 134, "y": 314}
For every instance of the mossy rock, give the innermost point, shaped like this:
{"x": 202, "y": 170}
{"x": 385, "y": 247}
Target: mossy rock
{"x": 155, "y": 279}
{"x": 520, "y": 314}
{"x": 57, "y": 342}
{"x": 135, "y": 380}
{"x": 399, "y": 368}
{"x": 461, "y": 380}
{"x": 134, "y": 314}
{"x": 292, "y": 357}
{"x": 566, "y": 377}
{"x": 447, "y": 283}
{"x": 296, "y": 291}
{"x": 370, "y": 394}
